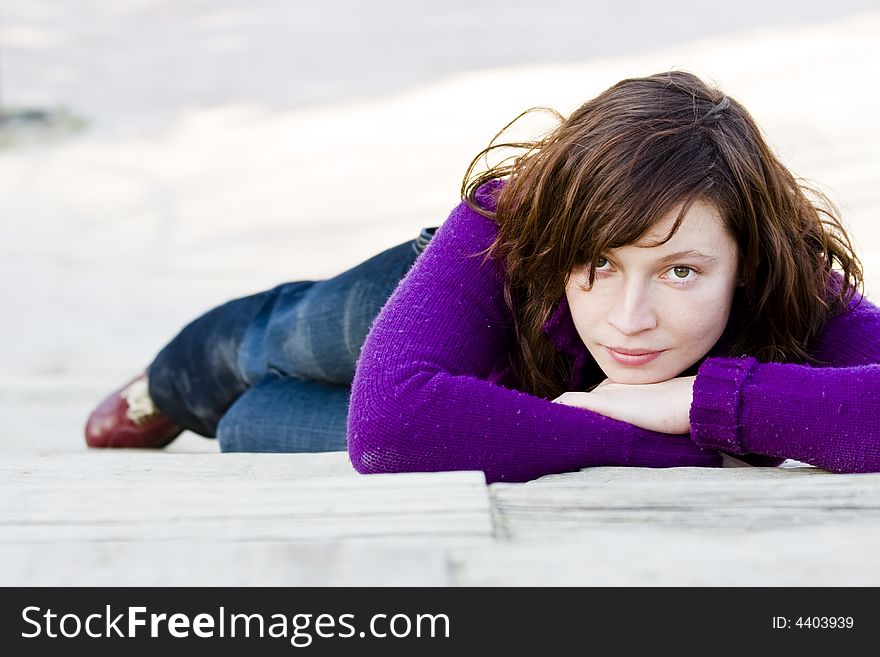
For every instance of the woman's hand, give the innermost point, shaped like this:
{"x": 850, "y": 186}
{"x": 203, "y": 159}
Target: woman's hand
{"x": 663, "y": 407}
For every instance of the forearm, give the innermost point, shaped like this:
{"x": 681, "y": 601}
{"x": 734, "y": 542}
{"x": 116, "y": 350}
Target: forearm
{"x": 823, "y": 416}
{"x": 444, "y": 422}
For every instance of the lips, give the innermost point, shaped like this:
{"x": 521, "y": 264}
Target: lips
{"x": 635, "y": 352}
{"x": 632, "y": 356}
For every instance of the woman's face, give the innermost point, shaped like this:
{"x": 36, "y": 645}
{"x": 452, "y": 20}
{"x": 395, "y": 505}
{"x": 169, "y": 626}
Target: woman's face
{"x": 654, "y": 311}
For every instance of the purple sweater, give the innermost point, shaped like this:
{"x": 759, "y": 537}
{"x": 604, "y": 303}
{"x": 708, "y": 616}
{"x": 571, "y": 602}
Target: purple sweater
{"x": 434, "y": 391}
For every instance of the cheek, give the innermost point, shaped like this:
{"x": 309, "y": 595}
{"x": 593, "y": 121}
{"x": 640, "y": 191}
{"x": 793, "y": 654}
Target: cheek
{"x": 588, "y": 311}
{"x": 698, "y": 320}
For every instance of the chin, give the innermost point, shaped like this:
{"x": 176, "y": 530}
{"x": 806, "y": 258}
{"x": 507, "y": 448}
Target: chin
{"x": 634, "y": 377}
{"x": 636, "y": 380}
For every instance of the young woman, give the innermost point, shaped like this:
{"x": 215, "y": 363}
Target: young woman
{"x": 647, "y": 286}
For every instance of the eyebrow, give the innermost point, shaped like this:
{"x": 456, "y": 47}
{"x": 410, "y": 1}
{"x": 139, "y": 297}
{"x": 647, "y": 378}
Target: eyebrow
{"x": 690, "y": 254}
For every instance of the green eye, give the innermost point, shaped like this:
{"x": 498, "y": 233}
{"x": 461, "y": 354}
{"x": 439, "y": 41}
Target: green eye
{"x": 681, "y": 272}
{"x": 601, "y": 262}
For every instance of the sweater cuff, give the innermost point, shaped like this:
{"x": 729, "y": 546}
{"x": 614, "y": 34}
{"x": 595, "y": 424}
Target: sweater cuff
{"x": 715, "y": 410}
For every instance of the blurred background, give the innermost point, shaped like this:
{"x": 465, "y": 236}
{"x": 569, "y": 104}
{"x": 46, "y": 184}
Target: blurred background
{"x": 158, "y": 158}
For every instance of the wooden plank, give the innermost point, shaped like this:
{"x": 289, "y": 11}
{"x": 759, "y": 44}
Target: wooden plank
{"x": 655, "y": 556}
{"x": 150, "y": 465}
{"x": 445, "y": 506}
{"x": 737, "y": 500}
{"x": 131, "y": 517}
{"x": 187, "y": 563}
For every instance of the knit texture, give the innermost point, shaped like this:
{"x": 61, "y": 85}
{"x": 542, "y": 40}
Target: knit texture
{"x": 823, "y": 415}
{"x": 434, "y": 391}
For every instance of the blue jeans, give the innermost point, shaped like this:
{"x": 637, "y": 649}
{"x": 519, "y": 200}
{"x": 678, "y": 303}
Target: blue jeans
{"x": 272, "y": 372}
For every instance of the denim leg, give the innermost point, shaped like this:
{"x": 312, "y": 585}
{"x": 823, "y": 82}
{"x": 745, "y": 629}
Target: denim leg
{"x": 319, "y": 336}
{"x": 280, "y": 413}
{"x": 197, "y": 375}
{"x": 309, "y": 349}
{"x": 305, "y": 329}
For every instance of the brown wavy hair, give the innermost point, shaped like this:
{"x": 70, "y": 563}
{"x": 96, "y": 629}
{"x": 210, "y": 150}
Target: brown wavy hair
{"x": 623, "y": 160}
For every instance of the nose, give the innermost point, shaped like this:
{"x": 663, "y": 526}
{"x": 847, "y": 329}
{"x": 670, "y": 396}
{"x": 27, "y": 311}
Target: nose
{"x": 633, "y": 311}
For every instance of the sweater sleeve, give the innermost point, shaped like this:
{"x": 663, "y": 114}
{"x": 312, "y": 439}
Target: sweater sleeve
{"x": 825, "y": 416}
{"x": 426, "y": 397}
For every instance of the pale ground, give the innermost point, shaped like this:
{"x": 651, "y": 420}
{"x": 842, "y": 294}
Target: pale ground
{"x": 197, "y": 183}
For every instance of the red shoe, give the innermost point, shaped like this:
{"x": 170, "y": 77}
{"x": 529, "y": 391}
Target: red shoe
{"x": 128, "y": 418}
